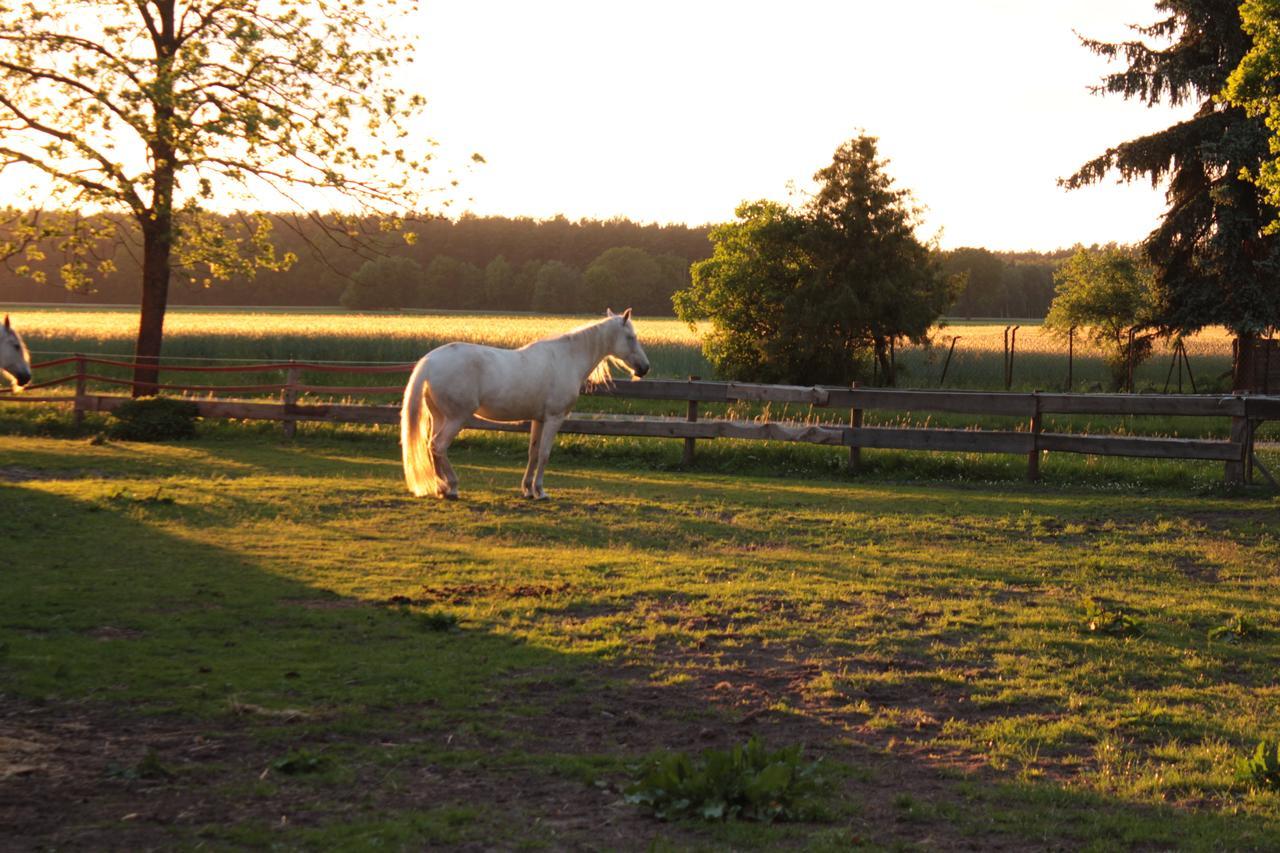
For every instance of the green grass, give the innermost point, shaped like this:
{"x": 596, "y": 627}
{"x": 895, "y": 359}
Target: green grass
{"x": 247, "y": 642}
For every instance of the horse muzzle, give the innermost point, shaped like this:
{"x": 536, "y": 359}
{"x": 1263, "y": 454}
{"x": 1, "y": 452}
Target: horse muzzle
{"x": 642, "y": 370}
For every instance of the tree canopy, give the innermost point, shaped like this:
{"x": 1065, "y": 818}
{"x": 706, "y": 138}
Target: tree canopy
{"x": 156, "y": 107}
{"x": 1255, "y": 86}
{"x": 1214, "y": 264}
{"x": 807, "y": 295}
{"x": 1107, "y": 294}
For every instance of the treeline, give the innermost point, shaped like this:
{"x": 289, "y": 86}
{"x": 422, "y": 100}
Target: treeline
{"x": 487, "y": 263}
{"x": 501, "y": 264}
{"x": 1003, "y": 284}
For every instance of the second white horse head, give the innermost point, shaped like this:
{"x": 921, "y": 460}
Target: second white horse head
{"x": 538, "y": 383}
{"x": 15, "y": 361}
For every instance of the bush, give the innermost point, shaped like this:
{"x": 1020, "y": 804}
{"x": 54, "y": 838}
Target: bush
{"x": 154, "y": 419}
{"x": 747, "y": 782}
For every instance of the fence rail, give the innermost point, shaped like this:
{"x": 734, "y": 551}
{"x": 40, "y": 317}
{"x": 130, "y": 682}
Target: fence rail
{"x": 1245, "y": 412}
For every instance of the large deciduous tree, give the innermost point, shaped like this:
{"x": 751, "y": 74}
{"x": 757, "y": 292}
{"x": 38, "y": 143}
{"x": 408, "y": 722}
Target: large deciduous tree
{"x": 1108, "y": 294}
{"x": 1255, "y": 86}
{"x": 806, "y": 295}
{"x": 1214, "y": 262}
{"x": 154, "y": 107}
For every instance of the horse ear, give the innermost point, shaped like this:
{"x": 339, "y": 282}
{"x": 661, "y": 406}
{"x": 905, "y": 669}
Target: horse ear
{"x": 6, "y": 321}
{"x": 608, "y": 312}
{"x": 626, "y": 315}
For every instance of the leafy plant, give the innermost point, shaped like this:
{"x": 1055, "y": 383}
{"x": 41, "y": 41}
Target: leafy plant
{"x": 747, "y": 782}
{"x": 149, "y": 767}
{"x": 437, "y": 620}
{"x": 299, "y": 762}
{"x": 1262, "y": 769}
{"x": 1105, "y": 618}
{"x": 1236, "y": 630}
{"x": 154, "y": 419}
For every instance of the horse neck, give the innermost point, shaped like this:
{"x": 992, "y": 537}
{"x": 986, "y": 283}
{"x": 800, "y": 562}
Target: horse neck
{"x": 592, "y": 345}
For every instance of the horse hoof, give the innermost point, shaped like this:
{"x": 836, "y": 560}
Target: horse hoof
{"x": 448, "y": 496}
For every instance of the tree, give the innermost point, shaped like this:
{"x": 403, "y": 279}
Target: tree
{"x": 805, "y": 295}
{"x": 156, "y": 107}
{"x": 1108, "y": 293}
{"x": 620, "y": 278}
{"x": 556, "y": 288}
{"x": 499, "y": 277}
{"x": 386, "y": 282}
{"x": 1255, "y": 86}
{"x": 1214, "y": 263}
{"x": 451, "y": 283}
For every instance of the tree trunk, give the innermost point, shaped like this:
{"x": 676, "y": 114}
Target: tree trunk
{"x": 882, "y": 358}
{"x": 157, "y": 244}
{"x": 1244, "y": 372}
{"x": 157, "y": 222}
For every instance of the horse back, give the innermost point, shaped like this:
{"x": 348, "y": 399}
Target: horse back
{"x": 499, "y": 384}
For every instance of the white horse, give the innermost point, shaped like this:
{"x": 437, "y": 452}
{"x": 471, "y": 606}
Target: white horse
{"x": 539, "y": 383}
{"x": 15, "y": 361}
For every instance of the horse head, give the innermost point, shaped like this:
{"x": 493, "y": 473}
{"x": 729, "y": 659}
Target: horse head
{"x": 14, "y": 358}
{"x": 626, "y": 346}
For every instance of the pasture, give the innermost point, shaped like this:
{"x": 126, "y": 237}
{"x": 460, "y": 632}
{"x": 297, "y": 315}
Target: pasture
{"x": 238, "y": 641}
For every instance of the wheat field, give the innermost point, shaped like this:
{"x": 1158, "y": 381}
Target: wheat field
{"x": 1040, "y": 357}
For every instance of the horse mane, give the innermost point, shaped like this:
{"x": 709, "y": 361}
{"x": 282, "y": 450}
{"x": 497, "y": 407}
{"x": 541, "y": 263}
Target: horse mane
{"x": 599, "y": 377}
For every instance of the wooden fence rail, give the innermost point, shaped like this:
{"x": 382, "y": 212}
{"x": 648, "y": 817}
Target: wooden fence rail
{"x": 1245, "y": 413}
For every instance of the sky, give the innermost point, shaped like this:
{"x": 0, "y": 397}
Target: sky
{"x": 679, "y": 110}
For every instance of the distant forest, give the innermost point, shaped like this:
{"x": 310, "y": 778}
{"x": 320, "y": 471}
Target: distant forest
{"x": 503, "y": 264}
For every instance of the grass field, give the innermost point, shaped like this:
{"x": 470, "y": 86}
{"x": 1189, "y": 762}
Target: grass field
{"x": 237, "y": 642}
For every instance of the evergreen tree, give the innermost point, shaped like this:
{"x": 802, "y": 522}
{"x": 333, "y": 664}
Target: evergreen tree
{"x": 1214, "y": 263}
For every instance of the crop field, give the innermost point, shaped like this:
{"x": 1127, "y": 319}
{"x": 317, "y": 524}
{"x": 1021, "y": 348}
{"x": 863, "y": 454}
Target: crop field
{"x": 238, "y": 641}
{"x": 1040, "y": 359}
{"x": 225, "y": 336}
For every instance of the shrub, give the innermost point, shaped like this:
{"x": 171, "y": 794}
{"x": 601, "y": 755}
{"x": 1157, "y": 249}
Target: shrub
{"x": 154, "y": 419}
{"x": 747, "y": 782}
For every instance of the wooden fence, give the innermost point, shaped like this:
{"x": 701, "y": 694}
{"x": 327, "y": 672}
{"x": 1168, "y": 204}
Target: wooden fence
{"x": 1245, "y": 413}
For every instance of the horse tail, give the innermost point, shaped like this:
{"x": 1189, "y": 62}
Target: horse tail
{"x": 415, "y": 434}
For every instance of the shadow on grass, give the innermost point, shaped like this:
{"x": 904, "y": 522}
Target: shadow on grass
{"x": 161, "y": 688}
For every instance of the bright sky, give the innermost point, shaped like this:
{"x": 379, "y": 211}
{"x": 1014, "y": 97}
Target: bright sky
{"x": 677, "y": 110}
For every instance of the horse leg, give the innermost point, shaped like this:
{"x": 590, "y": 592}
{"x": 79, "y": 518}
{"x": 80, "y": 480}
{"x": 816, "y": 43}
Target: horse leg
{"x": 441, "y": 438}
{"x": 548, "y": 437}
{"x": 535, "y": 444}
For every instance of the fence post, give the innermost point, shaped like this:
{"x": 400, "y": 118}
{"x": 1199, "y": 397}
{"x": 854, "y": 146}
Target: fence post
{"x": 1238, "y": 472}
{"x": 1033, "y": 458}
{"x": 1071, "y": 356}
{"x": 691, "y": 416}
{"x": 855, "y": 421}
{"x": 1132, "y": 330}
{"x": 288, "y": 397}
{"x": 947, "y": 363}
{"x": 78, "y": 406}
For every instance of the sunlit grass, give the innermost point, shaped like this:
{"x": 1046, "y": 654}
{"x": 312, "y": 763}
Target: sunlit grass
{"x": 932, "y": 638}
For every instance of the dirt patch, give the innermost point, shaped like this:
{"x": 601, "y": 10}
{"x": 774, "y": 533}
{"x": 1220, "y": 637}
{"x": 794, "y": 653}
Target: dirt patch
{"x": 22, "y": 474}
{"x": 465, "y": 593}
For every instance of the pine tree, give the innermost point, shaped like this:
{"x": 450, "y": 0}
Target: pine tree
{"x": 1214, "y": 263}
